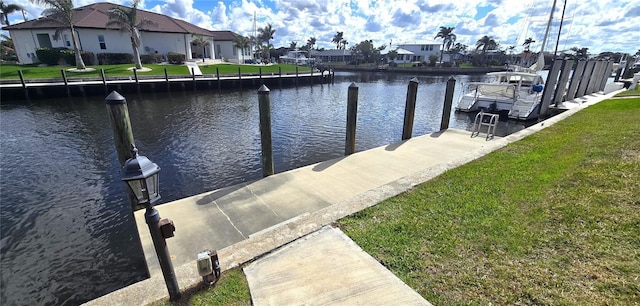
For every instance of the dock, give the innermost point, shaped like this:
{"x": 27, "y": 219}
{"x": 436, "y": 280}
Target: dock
{"x": 265, "y": 225}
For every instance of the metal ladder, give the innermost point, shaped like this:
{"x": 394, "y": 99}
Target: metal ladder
{"x": 485, "y": 119}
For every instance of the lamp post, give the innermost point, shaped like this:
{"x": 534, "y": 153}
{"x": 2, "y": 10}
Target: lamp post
{"x": 141, "y": 176}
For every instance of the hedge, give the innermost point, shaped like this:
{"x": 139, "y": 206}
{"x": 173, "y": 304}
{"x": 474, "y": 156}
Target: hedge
{"x": 176, "y": 58}
{"x": 114, "y": 58}
{"x": 52, "y": 56}
{"x": 151, "y": 58}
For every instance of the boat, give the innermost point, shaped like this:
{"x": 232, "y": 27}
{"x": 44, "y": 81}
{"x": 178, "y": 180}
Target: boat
{"x": 517, "y": 91}
{"x": 297, "y": 58}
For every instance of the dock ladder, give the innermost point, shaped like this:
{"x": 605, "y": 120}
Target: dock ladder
{"x": 484, "y": 119}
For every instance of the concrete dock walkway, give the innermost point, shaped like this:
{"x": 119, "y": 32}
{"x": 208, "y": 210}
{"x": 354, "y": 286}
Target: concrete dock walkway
{"x": 223, "y": 217}
{"x": 247, "y": 221}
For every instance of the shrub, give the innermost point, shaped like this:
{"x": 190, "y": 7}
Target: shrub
{"x": 69, "y": 56}
{"x": 49, "y": 56}
{"x": 433, "y": 59}
{"x": 114, "y": 58}
{"x": 151, "y": 58}
{"x": 176, "y": 58}
{"x": 447, "y": 64}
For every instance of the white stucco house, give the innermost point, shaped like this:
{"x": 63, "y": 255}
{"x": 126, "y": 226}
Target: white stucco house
{"x": 225, "y": 48}
{"x": 167, "y": 35}
{"x": 419, "y": 52}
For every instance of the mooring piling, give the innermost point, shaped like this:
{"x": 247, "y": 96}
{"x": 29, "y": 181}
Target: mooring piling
{"x": 264, "y": 105}
{"x": 410, "y": 109}
{"x": 448, "y": 102}
{"x": 352, "y": 111}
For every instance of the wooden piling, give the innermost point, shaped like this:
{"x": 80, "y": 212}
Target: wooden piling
{"x": 584, "y": 81}
{"x": 410, "y": 109}
{"x": 66, "y": 82}
{"x": 264, "y": 105}
{"x": 448, "y": 103}
{"x": 104, "y": 80}
{"x": 575, "y": 80}
{"x": 24, "y": 84}
{"x": 123, "y": 138}
{"x": 352, "y": 111}
{"x": 280, "y": 76}
{"x": 562, "y": 83}
{"x": 218, "y": 78}
{"x": 296, "y": 75}
{"x": 193, "y": 77}
{"x": 549, "y": 88}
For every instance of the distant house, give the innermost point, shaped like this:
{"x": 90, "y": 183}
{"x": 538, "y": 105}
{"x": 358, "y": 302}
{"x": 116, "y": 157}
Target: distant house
{"x": 332, "y": 56}
{"x": 421, "y": 51}
{"x": 168, "y": 35}
{"x": 403, "y": 55}
{"x": 225, "y": 48}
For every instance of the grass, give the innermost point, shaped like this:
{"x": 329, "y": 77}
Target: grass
{"x": 551, "y": 219}
{"x": 10, "y": 71}
{"x": 231, "y": 289}
{"x": 628, "y": 93}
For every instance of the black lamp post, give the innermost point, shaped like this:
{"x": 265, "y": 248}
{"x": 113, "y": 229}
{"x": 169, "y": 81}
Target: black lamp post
{"x": 141, "y": 176}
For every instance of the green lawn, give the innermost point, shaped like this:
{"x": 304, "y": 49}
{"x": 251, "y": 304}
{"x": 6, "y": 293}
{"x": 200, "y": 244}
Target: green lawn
{"x": 34, "y": 72}
{"x": 231, "y": 289}
{"x": 553, "y": 219}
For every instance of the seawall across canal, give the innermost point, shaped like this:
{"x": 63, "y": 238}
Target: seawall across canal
{"x": 246, "y": 221}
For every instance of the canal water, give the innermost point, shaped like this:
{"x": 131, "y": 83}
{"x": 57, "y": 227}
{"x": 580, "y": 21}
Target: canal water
{"x": 67, "y": 233}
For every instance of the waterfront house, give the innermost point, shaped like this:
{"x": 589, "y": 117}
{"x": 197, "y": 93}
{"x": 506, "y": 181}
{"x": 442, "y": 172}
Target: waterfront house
{"x": 420, "y": 52}
{"x": 225, "y": 48}
{"x": 332, "y": 56}
{"x": 167, "y": 35}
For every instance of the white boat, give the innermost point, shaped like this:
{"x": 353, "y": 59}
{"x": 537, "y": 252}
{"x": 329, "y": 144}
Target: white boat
{"x": 518, "y": 93}
{"x": 297, "y": 58}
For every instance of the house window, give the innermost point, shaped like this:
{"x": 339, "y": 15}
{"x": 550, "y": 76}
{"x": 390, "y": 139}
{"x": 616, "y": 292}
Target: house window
{"x": 44, "y": 41}
{"x": 235, "y": 51}
{"x": 422, "y": 47}
{"x": 66, "y": 40}
{"x": 103, "y": 45}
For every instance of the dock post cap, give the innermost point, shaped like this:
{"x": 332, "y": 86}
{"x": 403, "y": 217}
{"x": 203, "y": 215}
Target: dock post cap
{"x": 115, "y": 98}
{"x": 414, "y": 80}
{"x": 353, "y": 85}
{"x": 263, "y": 89}
{"x": 451, "y": 78}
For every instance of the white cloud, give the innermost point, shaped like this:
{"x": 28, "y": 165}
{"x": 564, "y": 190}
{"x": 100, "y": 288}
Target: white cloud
{"x": 601, "y": 25}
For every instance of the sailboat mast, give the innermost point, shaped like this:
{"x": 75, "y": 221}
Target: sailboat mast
{"x": 546, "y": 33}
{"x": 555, "y": 52}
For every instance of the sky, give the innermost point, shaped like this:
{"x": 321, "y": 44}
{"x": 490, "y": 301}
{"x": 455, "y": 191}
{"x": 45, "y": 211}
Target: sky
{"x": 600, "y": 25}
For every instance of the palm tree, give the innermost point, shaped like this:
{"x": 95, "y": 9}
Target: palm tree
{"x": 61, "y": 13}
{"x": 344, "y": 44}
{"x": 242, "y": 42}
{"x": 6, "y": 10}
{"x": 337, "y": 39}
{"x": 266, "y": 35}
{"x": 448, "y": 39}
{"x": 126, "y": 20}
{"x": 257, "y": 42}
{"x": 486, "y": 43}
{"x": 527, "y": 43}
{"x": 200, "y": 41}
{"x": 310, "y": 43}
{"x": 292, "y": 45}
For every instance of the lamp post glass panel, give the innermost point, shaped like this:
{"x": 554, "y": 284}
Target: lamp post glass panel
{"x": 141, "y": 175}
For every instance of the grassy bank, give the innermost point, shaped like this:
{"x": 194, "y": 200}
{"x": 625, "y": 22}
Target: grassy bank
{"x": 53, "y": 72}
{"x": 551, "y": 219}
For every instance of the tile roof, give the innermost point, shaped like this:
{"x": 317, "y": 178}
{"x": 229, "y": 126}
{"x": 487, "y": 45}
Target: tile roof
{"x": 224, "y": 35}
{"x": 95, "y": 16}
